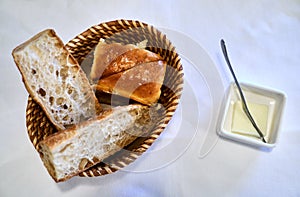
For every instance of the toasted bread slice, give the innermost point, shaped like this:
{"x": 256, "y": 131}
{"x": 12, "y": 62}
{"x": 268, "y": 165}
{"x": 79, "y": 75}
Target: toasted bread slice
{"x": 112, "y": 58}
{"x": 54, "y": 80}
{"x": 104, "y": 55}
{"x": 141, "y": 83}
{"x": 130, "y": 59}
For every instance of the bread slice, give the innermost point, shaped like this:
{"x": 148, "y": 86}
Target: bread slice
{"x": 104, "y": 54}
{"x": 69, "y": 152}
{"x": 112, "y": 58}
{"x": 141, "y": 83}
{"x": 54, "y": 80}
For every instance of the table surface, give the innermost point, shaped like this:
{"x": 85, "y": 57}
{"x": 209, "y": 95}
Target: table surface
{"x": 263, "y": 39}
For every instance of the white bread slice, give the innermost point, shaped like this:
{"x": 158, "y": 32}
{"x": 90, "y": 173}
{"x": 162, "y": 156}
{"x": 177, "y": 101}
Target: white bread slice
{"x": 54, "y": 80}
{"x": 69, "y": 152}
{"x": 141, "y": 83}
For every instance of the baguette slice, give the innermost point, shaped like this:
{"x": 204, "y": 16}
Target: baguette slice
{"x": 112, "y": 58}
{"x": 104, "y": 55}
{"x": 141, "y": 83}
{"x": 54, "y": 80}
{"x": 130, "y": 59}
{"x": 69, "y": 152}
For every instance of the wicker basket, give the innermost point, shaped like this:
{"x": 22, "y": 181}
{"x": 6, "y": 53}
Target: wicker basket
{"x": 122, "y": 31}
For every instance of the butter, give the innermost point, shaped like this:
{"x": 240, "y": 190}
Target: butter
{"x": 265, "y": 106}
{"x": 241, "y": 123}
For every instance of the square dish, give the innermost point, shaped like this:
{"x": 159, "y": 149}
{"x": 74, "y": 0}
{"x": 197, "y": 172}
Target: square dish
{"x": 266, "y": 107}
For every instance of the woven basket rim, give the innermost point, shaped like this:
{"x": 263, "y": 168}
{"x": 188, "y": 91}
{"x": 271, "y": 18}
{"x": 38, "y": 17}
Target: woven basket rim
{"x": 37, "y": 122}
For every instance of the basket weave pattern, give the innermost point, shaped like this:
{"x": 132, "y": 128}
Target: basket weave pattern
{"x": 126, "y": 32}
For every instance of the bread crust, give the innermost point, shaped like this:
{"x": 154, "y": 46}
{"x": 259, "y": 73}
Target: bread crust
{"x": 141, "y": 83}
{"x": 104, "y": 55}
{"x": 61, "y": 136}
{"x": 129, "y": 59}
{"x": 70, "y": 59}
{"x": 53, "y": 143}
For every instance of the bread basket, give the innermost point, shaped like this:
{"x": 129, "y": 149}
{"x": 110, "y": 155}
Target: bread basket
{"x": 122, "y": 31}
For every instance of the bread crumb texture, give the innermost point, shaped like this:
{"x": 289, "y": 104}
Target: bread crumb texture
{"x": 56, "y": 78}
{"x": 91, "y": 142}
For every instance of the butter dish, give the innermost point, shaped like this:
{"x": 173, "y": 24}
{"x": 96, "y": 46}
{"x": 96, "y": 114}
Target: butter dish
{"x": 266, "y": 107}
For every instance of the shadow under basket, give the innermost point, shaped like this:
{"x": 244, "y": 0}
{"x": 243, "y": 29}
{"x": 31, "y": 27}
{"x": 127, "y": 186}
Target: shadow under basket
{"x": 126, "y": 32}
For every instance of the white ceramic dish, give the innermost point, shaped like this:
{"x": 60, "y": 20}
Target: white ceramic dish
{"x": 273, "y": 100}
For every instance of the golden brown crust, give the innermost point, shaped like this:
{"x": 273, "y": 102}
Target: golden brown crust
{"x": 112, "y": 58}
{"x": 130, "y": 59}
{"x": 147, "y": 93}
{"x": 50, "y": 32}
{"x": 104, "y": 55}
{"x": 141, "y": 83}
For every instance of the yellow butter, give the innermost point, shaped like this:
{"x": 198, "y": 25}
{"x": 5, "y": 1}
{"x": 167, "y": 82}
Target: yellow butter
{"x": 242, "y": 125}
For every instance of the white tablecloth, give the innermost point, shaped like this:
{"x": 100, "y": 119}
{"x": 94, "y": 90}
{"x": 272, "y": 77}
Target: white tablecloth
{"x": 263, "y": 39}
